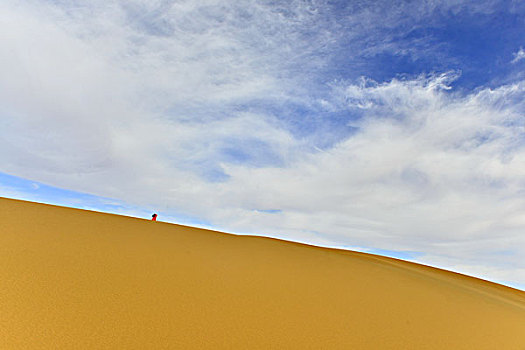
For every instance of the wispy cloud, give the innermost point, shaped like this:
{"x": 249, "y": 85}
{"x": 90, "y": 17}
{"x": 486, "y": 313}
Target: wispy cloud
{"x": 518, "y": 56}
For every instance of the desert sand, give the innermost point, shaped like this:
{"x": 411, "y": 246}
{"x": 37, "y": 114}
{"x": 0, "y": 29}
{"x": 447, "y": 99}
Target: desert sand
{"x": 76, "y": 279}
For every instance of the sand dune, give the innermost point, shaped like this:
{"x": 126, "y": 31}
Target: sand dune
{"x": 75, "y": 279}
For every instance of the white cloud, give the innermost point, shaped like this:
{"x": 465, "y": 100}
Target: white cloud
{"x": 518, "y": 56}
{"x": 428, "y": 171}
{"x": 151, "y": 103}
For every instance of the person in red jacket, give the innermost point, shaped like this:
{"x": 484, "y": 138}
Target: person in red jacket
{"x": 154, "y": 217}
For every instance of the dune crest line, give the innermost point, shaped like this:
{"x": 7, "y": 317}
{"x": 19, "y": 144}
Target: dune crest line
{"x": 79, "y": 279}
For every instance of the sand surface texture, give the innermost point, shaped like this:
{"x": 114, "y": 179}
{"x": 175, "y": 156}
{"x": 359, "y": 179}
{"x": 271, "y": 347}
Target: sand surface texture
{"x": 74, "y": 279}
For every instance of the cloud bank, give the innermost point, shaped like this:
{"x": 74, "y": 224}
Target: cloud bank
{"x": 259, "y": 117}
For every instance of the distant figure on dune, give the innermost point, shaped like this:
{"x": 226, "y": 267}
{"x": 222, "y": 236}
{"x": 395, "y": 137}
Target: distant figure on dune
{"x": 154, "y": 217}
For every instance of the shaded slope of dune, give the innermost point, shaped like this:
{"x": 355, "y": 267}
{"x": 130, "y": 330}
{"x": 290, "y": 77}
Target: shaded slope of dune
{"x": 76, "y": 279}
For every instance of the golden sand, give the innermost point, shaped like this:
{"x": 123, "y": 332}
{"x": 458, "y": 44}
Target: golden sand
{"x": 75, "y": 279}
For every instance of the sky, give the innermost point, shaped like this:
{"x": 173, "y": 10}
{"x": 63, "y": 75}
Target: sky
{"x": 390, "y": 127}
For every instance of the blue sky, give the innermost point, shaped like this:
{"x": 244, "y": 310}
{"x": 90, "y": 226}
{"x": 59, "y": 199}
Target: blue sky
{"x": 393, "y": 127}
